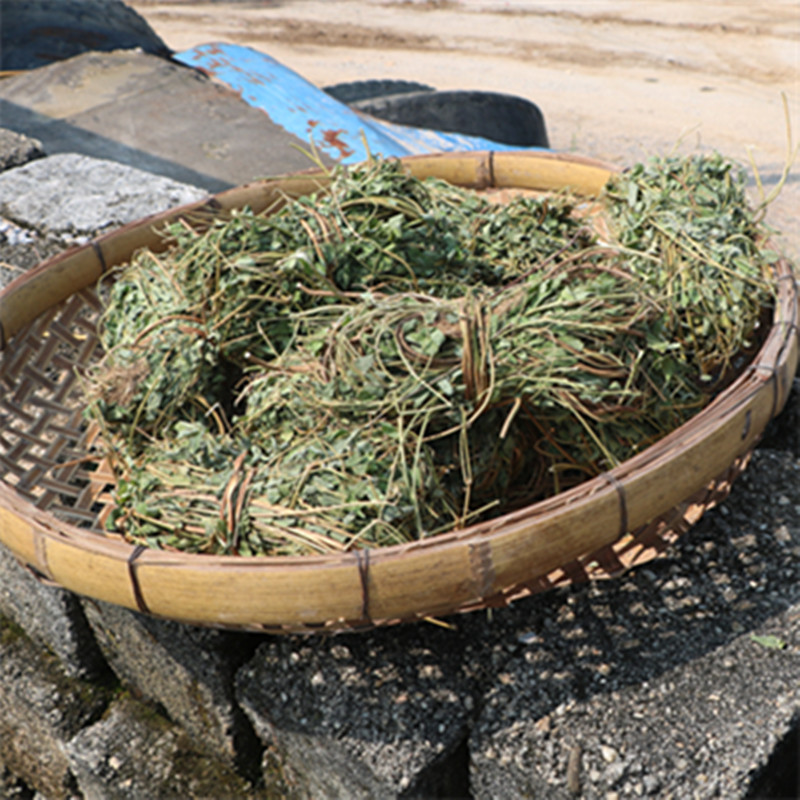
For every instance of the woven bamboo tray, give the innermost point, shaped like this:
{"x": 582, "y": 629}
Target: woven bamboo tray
{"x": 52, "y": 498}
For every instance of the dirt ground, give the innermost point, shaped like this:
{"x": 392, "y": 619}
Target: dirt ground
{"x": 616, "y": 79}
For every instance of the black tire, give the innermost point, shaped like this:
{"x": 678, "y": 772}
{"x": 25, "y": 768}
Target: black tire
{"x": 499, "y": 117}
{"x": 356, "y": 91}
{"x": 37, "y": 32}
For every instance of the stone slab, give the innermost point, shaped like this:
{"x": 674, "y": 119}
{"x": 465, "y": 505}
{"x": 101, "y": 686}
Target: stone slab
{"x": 51, "y": 616}
{"x": 135, "y": 753}
{"x": 41, "y": 708}
{"x": 53, "y": 203}
{"x": 71, "y": 196}
{"x": 187, "y": 671}
{"x": 380, "y": 715}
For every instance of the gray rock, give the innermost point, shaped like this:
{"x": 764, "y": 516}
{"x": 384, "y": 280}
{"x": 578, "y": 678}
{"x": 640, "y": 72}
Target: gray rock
{"x": 51, "y": 616}
{"x": 41, "y": 708}
{"x": 74, "y": 196}
{"x": 135, "y": 753}
{"x": 694, "y": 731}
{"x": 23, "y": 248}
{"x": 49, "y": 205}
{"x": 187, "y": 671}
{"x": 17, "y": 149}
{"x": 379, "y": 715}
{"x": 660, "y": 667}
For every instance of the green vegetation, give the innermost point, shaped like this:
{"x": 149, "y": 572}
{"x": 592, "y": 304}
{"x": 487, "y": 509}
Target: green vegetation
{"x": 395, "y": 358}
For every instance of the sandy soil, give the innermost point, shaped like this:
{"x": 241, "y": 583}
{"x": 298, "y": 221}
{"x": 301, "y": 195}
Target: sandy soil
{"x": 616, "y": 79}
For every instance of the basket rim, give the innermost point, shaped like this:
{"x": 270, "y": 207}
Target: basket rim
{"x": 478, "y": 561}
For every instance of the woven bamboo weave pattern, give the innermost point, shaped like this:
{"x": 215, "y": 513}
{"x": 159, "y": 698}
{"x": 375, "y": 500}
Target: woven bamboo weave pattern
{"x": 44, "y": 436}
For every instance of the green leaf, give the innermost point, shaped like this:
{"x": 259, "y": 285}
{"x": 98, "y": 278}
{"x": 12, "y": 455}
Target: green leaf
{"x": 770, "y": 641}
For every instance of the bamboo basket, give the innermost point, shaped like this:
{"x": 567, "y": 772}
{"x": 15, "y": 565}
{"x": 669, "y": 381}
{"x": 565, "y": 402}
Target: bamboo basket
{"x": 52, "y": 500}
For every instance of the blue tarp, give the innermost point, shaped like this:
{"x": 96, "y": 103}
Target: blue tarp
{"x": 311, "y": 115}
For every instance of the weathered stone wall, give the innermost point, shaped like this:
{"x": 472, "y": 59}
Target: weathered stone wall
{"x": 648, "y": 685}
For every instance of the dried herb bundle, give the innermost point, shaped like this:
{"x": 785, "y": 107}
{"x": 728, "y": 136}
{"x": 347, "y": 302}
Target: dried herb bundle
{"x": 394, "y": 358}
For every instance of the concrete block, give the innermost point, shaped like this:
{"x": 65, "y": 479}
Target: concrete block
{"x": 660, "y": 683}
{"x": 76, "y": 196}
{"x": 376, "y": 715}
{"x": 51, "y": 616}
{"x": 783, "y": 433}
{"x": 135, "y": 753}
{"x": 187, "y": 671}
{"x": 41, "y": 708}
{"x": 56, "y": 202}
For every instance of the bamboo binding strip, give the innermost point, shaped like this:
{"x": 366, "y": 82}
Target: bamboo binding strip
{"x": 51, "y": 498}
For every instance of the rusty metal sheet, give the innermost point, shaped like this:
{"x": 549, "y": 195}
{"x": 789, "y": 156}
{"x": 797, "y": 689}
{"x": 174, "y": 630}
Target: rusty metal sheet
{"x": 308, "y": 113}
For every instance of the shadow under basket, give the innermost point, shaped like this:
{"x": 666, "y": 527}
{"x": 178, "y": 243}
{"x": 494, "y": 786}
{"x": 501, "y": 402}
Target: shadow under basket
{"x": 52, "y": 499}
